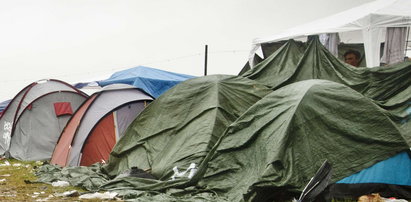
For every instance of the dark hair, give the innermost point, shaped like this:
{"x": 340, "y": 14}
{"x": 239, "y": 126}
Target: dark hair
{"x": 356, "y": 53}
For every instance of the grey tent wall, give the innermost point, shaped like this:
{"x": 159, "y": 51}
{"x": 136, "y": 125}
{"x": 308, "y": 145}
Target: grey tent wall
{"x": 38, "y": 129}
{"x": 7, "y": 121}
{"x": 126, "y": 115}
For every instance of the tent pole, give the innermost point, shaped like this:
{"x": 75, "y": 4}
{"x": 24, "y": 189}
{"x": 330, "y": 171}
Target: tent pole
{"x": 205, "y": 60}
{"x": 406, "y": 41}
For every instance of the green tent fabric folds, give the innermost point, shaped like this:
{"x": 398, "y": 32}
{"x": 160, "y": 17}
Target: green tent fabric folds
{"x": 181, "y": 126}
{"x": 389, "y": 86}
{"x": 290, "y": 64}
{"x": 266, "y": 132}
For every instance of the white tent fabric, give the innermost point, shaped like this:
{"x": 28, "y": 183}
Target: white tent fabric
{"x": 395, "y": 39}
{"x": 331, "y": 41}
{"x": 363, "y": 24}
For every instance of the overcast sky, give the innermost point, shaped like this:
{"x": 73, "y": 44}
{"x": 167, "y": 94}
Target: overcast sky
{"x": 85, "y": 40}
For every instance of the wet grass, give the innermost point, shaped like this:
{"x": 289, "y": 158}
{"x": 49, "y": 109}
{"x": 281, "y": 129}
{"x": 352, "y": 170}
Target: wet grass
{"x": 14, "y": 176}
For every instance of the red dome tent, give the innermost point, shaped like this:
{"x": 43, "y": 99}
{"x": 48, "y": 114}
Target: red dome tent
{"x": 98, "y": 124}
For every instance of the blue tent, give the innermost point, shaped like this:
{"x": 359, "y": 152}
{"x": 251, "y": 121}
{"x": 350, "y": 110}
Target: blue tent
{"x": 391, "y": 177}
{"x": 153, "y": 81}
{"x": 395, "y": 170}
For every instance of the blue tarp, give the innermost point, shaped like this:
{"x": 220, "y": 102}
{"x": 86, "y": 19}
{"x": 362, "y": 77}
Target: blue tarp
{"x": 4, "y": 104}
{"x": 153, "y": 81}
{"x": 395, "y": 170}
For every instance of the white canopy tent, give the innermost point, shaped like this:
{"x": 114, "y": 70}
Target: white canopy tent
{"x": 365, "y": 24}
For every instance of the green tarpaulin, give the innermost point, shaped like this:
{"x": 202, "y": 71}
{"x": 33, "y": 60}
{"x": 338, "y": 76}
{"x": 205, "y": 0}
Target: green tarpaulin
{"x": 289, "y": 64}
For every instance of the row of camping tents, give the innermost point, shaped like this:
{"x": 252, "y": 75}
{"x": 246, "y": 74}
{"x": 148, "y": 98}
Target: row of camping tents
{"x": 52, "y": 119}
{"x": 261, "y": 136}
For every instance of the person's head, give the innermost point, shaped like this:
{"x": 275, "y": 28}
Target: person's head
{"x": 352, "y": 57}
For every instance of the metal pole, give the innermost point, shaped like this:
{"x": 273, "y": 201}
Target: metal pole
{"x": 406, "y": 42}
{"x": 205, "y": 60}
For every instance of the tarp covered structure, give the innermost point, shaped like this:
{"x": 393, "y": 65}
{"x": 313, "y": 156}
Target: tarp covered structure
{"x": 152, "y": 81}
{"x": 359, "y": 117}
{"x": 268, "y": 152}
{"x": 365, "y": 24}
{"x": 98, "y": 124}
{"x": 32, "y": 122}
{"x": 182, "y": 125}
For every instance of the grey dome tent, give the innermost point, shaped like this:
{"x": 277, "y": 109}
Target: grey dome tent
{"x": 98, "y": 124}
{"x": 33, "y": 120}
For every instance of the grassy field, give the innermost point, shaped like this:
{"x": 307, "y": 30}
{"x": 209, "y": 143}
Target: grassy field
{"x": 15, "y": 178}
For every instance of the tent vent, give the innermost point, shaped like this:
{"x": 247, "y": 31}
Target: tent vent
{"x": 63, "y": 108}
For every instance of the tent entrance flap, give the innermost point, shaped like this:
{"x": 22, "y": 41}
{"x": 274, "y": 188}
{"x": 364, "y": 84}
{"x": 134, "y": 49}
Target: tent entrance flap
{"x": 100, "y": 142}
